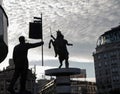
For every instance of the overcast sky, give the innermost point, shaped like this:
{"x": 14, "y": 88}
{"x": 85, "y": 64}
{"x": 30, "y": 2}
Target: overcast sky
{"x": 81, "y": 22}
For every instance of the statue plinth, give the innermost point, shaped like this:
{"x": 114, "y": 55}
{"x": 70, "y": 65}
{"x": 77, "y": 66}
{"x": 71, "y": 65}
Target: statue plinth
{"x": 62, "y": 78}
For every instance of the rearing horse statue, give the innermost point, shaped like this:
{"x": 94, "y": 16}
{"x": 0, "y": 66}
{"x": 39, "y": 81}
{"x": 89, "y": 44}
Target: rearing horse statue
{"x": 60, "y": 48}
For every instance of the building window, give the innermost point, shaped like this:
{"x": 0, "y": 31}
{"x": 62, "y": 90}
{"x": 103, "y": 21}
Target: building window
{"x": 79, "y": 88}
{"x": 99, "y": 57}
{"x": 105, "y": 63}
{"x": 105, "y": 56}
{"x": 99, "y": 64}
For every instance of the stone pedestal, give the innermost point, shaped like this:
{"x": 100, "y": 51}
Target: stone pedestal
{"x": 1, "y": 2}
{"x": 62, "y": 78}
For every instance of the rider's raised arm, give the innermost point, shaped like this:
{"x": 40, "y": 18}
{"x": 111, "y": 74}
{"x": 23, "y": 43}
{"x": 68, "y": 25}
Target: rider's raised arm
{"x": 53, "y": 37}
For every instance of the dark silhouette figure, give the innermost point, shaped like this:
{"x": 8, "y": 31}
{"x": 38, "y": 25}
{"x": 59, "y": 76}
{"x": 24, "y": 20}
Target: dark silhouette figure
{"x": 21, "y": 63}
{"x": 53, "y": 41}
{"x": 60, "y": 48}
{"x": 3, "y": 50}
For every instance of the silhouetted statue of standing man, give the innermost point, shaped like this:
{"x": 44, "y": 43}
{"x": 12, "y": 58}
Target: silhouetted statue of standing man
{"x": 21, "y": 63}
{"x": 60, "y": 48}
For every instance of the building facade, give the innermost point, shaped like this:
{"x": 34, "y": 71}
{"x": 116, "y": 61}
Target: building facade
{"x": 83, "y": 87}
{"x": 48, "y": 87}
{"x": 6, "y": 75}
{"x": 77, "y": 87}
{"x": 107, "y": 62}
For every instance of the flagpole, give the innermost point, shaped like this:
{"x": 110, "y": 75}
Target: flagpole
{"x": 42, "y": 45}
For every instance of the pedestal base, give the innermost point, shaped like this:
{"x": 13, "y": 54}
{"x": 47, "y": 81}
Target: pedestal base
{"x": 62, "y": 71}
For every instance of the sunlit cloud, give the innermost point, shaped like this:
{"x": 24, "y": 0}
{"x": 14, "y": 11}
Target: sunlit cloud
{"x": 80, "y": 60}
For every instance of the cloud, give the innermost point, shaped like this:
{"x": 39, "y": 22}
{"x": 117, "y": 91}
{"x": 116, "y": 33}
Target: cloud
{"x": 81, "y": 21}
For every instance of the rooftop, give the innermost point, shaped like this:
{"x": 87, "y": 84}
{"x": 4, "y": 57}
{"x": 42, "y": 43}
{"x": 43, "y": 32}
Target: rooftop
{"x": 110, "y": 36}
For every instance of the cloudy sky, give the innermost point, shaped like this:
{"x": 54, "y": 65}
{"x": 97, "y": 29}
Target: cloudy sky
{"x": 81, "y": 22}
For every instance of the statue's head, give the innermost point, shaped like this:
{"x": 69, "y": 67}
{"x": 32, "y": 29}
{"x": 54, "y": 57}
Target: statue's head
{"x": 59, "y": 34}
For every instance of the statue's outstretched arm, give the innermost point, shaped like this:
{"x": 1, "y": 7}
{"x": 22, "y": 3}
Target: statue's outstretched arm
{"x": 69, "y": 44}
{"x": 50, "y": 43}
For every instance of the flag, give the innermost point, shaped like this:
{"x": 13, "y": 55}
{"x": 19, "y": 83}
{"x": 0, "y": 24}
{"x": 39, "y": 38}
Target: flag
{"x": 35, "y": 29}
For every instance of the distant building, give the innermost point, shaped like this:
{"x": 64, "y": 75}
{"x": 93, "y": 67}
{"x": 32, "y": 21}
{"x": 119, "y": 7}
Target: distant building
{"x": 81, "y": 75}
{"x": 107, "y": 62}
{"x": 83, "y": 87}
{"x": 6, "y": 75}
{"x": 77, "y": 87}
{"x": 46, "y": 86}
{"x": 41, "y": 83}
